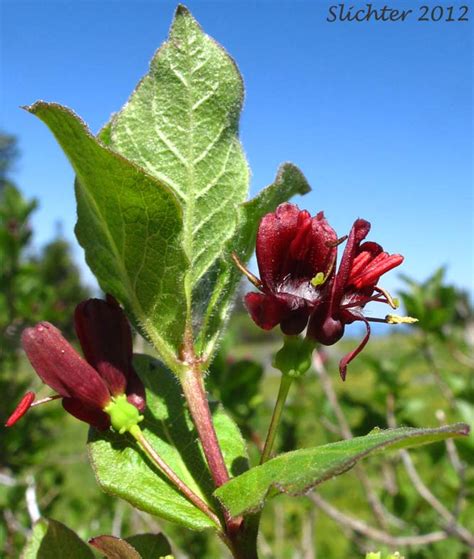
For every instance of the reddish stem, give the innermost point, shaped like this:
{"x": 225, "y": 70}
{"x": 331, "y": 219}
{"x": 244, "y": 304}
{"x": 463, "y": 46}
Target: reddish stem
{"x": 195, "y": 394}
{"x": 199, "y": 407}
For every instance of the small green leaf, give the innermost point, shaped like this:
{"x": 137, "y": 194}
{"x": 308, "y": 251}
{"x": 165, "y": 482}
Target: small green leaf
{"x": 150, "y": 546}
{"x": 181, "y": 126}
{"x": 297, "y": 472}
{"x": 123, "y": 470}
{"x": 114, "y": 548}
{"x": 51, "y": 539}
{"x": 129, "y": 224}
{"x": 289, "y": 182}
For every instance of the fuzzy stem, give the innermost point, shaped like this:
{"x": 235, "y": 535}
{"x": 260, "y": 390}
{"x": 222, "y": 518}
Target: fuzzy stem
{"x": 285, "y": 384}
{"x": 195, "y": 395}
{"x": 137, "y": 434}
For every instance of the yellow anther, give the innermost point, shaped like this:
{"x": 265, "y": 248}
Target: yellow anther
{"x": 395, "y": 319}
{"x": 318, "y": 279}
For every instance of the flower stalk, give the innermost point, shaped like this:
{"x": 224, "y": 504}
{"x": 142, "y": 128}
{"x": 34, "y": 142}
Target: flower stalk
{"x": 285, "y": 384}
{"x": 144, "y": 444}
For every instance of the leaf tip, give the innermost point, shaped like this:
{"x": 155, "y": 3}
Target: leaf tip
{"x": 33, "y": 108}
{"x": 289, "y": 171}
{"x": 182, "y": 10}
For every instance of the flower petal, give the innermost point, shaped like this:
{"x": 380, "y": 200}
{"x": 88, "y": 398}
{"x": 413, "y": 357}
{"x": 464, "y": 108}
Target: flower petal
{"x": 381, "y": 264}
{"x": 290, "y": 311}
{"x": 136, "y": 391}
{"x": 359, "y": 231}
{"x": 266, "y": 310}
{"x": 61, "y": 367}
{"x": 106, "y": 340}
{"x": 94, "y": 416}
{"x": 355, "y": 352}
{"x": 274, "y": 237}
{"x": 296, "y": 322}
{"x": 292, "y": 247}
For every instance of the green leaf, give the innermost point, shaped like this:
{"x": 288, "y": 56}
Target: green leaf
{"x": 141, "y": 546}
{"x": 129, "y": 224}
{"x": 114, "y": 548}
{"x": 51, "y": 539}
{"x": 289, "y": 182}
{"x": 297, "y": 472}
{"x": 123, "y": 470}
{"x": 150, "y": 546}
{"x": 181, "y": 125}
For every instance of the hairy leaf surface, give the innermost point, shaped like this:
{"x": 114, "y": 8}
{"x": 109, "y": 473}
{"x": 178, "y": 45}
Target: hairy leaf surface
{"x": 181, "y": 126}
{"x": 130, "y": 225}
{"x": 297, "y": 472}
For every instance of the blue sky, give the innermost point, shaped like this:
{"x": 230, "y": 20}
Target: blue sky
{"x": 377, "y": 115}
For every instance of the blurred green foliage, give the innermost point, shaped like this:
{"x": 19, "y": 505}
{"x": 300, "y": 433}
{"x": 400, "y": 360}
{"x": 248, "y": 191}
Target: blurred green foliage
{"x": 33, "y": 287}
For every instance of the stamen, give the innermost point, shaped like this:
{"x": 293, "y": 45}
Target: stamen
{"x": 393, "y": 302}
{"x": 337, "y": 242}
{"x": 374, "y": 319}
{"x": 359, "y": 303}
{"x": 23, "y": 406}
{"x": 45, "y": 400}
{"x": 318, "y": 279}
{"x": 253, "y": 279}
{"x": 395, "y": 319}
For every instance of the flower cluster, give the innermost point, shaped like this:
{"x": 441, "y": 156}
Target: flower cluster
{"x": 299, "y": 285}
{"x": 87, "y": 386}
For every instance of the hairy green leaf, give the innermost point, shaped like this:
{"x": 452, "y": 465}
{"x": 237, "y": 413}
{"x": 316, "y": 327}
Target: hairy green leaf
{"x": 181, "y": 125}
{"x": 297, "y": 472}
{"x": 129, "y": 224}
{"x": 51, "y": 539}
{"x": 123, "y": 470}
{"x": 289, "y": 182}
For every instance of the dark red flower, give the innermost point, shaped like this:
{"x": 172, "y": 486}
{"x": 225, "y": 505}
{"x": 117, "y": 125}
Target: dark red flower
{"x": 88, "y": 385}
{"x": 354, "y": 285}
{"x": 295, "y": 255}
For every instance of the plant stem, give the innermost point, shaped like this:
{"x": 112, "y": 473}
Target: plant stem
{"x": 198, "y": 404}
{"x": 195, "y": 395}
{"x": 285, "y": 384}
{"x": 137, "y": 434}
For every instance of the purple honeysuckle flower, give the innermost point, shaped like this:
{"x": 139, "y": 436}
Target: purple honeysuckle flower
{"x": 88, "y": 385}
{"x": 354, "y": 285}
{"x": 295, "y": 255}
